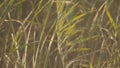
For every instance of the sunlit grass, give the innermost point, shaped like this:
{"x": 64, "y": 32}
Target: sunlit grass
{"x": 59, "y": 34}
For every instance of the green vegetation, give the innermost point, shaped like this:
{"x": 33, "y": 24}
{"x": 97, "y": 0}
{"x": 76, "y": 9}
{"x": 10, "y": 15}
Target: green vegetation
{"x": 59, "y": 34}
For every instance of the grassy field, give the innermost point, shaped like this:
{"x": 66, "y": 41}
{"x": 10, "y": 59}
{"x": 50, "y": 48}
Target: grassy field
{"x": 59, "y": 33}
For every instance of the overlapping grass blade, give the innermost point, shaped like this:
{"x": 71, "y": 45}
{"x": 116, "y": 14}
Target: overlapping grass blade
{"x": 110, "y": 18}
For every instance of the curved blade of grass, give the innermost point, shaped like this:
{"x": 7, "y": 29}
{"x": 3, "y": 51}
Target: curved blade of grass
{"x": 78, "y": 17}
{"x": 110, "y": 18}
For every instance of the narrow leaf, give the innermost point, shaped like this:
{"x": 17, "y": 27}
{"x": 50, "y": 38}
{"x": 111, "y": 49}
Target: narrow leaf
{"x": 110, "y": 18}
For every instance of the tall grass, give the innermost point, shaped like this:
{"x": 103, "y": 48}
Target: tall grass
{"x": 59, "y": 34}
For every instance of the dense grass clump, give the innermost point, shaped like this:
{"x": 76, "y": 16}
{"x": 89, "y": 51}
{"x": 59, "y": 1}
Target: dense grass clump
{"x": 59, "y": 34}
